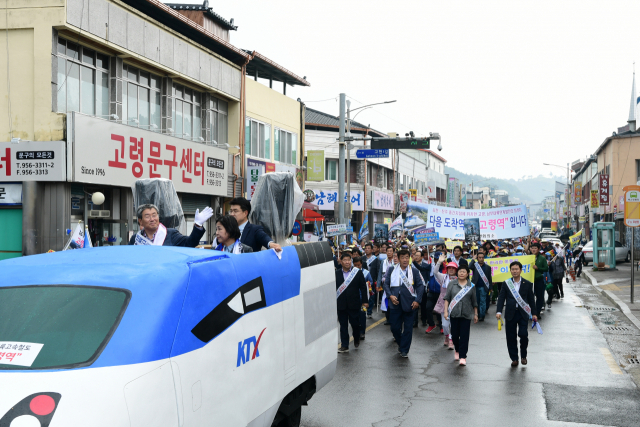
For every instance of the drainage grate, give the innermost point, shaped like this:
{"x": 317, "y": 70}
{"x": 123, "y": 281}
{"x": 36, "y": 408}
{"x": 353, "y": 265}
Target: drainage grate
{"x": 617, "y": 328}
{"x": 599, "y": 308}
{"x": 634, "y": 361}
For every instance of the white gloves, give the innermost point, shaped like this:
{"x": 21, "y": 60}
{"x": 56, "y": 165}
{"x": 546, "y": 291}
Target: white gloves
{"x": 202, "y": 217}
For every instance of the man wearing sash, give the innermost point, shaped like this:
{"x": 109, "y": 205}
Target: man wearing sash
{"x": 350, "y": 284}
{"x": 483, "y": 283}
{"x": 405, "y": 287}
{"x": 539, "y": 285}
{"x": 384, "y": 267}
{"x": 517, "y": 293}
{"x": 372, "y": 264}
{"x": 155, "y": 233}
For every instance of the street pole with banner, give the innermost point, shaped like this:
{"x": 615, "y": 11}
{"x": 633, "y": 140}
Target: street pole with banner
{"x": 632, "y": 219}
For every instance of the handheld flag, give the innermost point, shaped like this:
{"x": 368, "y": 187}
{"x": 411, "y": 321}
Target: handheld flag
{"x": 87, "y": 239}
{"x": 77, "y": 239}
{"x": 396, "y": 224}
{"x": 575, "y": 239}
{"x": 364, "y": 229}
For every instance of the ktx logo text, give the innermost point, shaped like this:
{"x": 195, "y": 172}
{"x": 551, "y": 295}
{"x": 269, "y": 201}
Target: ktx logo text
{"x": 244, "y": 349}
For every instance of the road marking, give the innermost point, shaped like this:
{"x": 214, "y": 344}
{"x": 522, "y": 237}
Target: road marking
{"x": 370, "y": 327}
{"x": 608, "y": 357}
{"x": 587, "y": 321}
{"x": 610, "y": 287}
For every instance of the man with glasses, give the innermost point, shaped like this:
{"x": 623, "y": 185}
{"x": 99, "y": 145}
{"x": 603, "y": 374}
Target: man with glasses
{"x": 153, "y": 232}
{"x": 251, "y": 234}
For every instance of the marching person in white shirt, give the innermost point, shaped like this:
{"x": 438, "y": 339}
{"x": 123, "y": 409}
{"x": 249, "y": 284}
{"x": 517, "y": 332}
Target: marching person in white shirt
{"x": 517, "y": 292}
{"x": 386, "y": 263}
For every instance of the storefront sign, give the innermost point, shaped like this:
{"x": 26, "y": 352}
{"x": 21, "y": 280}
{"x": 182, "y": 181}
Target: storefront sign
{"x": 595, "y": 200}
{"x": 326, "y": 199}
{"x": 10, "y": 194}
{"x": 578, "y": 192}
{"x": 604, "y": 190}
{"x": 315, "y": 165}
{"x": 431, "y": 189}
{"x": 33, "y": 161}
{"x": 109, "y": 153}
{"x": 382, "y": 201}
{"x": 254, "y": 173}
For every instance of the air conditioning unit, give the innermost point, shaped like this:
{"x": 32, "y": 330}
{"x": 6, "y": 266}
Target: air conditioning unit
{"x": 99, "y": 214}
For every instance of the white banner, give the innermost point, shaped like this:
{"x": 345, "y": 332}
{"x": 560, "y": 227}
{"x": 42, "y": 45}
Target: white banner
{"x": 499, "y": 223}
{"x": 109, "y": 153}
{"x": 10, "y": 194}
{"x": 326, "y": 199}
{"x": 33, "y": 161}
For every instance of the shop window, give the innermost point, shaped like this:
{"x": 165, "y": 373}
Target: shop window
{"x": 187, "y": 113}
{"x": 285, "y": 146}
{"x": 220, "y": 121}
{"x": 140, "y": 98}
{"x": 257, "y": 139}
{"x": 83, "y": 80}
{"x": 331, "y": 170}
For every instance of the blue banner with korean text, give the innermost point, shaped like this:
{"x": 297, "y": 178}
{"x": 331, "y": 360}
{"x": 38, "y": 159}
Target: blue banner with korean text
{"x": 499, "y": 223}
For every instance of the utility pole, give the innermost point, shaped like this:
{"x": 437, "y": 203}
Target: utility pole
{"x": 348, "y": 205}
{"x": 341, "y": 176}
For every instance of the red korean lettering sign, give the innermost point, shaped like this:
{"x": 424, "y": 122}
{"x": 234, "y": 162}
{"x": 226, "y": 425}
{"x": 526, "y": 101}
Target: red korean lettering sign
{"x": 604, "y": 189}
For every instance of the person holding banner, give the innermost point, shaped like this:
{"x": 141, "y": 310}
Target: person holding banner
{"x": 460, "y": 307}
{"x": 405, "y": 287}
{"x": 350, "y": 284}
{"x": 483, "y": 283}
{"x": 152, "y": 232}
{"x": 541, "y": 267}
{"x": 517, "y": 294}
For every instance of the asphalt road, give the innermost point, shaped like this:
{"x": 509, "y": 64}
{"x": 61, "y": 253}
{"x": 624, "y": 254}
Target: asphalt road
{"x": 572, "y": 378}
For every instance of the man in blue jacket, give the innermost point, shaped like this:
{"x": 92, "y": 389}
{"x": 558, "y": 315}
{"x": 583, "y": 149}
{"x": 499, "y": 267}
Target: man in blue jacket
{"x": 153, "y": 232}
{"x": 251, "y": 234}
{"x": 405, "y": 288}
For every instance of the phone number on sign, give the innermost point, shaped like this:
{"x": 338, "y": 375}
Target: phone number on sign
{"x": 32, "y": 172}
{"x": 37, "y": 165}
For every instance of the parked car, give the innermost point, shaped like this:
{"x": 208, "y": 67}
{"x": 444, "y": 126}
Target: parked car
{"x": 623, "y": 254}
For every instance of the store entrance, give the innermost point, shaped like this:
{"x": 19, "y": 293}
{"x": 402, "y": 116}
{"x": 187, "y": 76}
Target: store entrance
{"x": 108, "y": 232}
{"x": 10, "y": 233}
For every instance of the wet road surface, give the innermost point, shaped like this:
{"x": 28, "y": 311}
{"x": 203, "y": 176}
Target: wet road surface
{"x": 573, "y": 377}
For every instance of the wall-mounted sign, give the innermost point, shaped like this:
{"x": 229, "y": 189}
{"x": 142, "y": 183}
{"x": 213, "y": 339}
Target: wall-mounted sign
{"x": 106, "y": 152}
{"x": 383, "y": 201}
{"x": 10, "y": 194}
{"x": 33, "y": 161}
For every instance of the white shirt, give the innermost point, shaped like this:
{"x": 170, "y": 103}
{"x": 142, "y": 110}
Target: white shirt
{"x": 241, "y": 226}
{"x": 517, "y": 286}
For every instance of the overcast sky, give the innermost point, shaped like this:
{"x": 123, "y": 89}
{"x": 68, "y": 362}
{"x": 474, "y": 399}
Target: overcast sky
{"x": 508, "y": 84}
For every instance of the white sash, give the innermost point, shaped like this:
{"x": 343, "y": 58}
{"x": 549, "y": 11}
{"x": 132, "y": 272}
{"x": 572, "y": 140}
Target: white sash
{"x": 517, "y": 296}
{"x": 482, "y": 275}
{"x": 161, "y": 234}
{"x": 370, "y": 260}
{"x": 464, "y": 291}
{"x": 406, "y": 282}
{"x": 347, "y": 281}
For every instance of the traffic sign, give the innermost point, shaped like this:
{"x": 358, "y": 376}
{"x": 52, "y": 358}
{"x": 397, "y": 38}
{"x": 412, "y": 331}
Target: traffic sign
{"x": 401, "y": 143}
{"x": 372, "y": 154}
{"x": 297, "y": 228}
{"x": 632, "y": 205}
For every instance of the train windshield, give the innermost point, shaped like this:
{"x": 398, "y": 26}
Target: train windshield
{"x": 57, "y": 326}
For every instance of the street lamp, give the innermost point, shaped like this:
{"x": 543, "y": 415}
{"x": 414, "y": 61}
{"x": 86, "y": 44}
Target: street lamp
{"x": 348, "y": 172}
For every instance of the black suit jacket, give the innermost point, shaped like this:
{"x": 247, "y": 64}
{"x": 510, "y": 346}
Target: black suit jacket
{"x": 174, "y": 238}
{"x": 477, "y": 279}
{"x": 350, "y": 298}
{"x": 373, "y": 268}
{"x": 401, "y": 292}
{"x": 526, "y": 292}
{"x": 253, "y": 235}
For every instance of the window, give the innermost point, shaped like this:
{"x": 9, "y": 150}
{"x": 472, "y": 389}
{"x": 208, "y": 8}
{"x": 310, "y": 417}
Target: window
{"x": 140, "y": 98}
{"x": 83, "y": 80}
{"x": 331, "y": 170}
{"x": 637, "y": 170}
{"x": 219, "y": 121}
{"x": 74, "y": 323}
{"x": 369, "y": 174}
{"x": 187, "y": 113}
{"x": 257, "y": 139}
{"x": 285, "y": 145}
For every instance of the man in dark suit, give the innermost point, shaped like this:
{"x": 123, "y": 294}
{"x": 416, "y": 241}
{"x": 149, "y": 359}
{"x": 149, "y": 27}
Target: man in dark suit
{"x": 403, "y": 303}
{"x": 349, "y": 300}
{"x": 482, "y": 288}
{"x": 251, "y": 234}
{"x": 371, "y": 263}
{"x": 516, "y": 316}
{"x": 425, "y": 271}
{"x": 154, "y": 233}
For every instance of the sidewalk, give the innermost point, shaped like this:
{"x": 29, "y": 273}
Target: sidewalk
{"x": 616, "y": 286}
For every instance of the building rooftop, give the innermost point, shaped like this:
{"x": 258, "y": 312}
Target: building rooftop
{"x": 323, "y": 121}
{"x": 207, "y": 10}
{"x": 265, "y": 68}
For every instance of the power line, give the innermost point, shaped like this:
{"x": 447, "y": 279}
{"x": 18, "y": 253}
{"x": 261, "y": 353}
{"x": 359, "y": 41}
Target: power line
{"x": 322, "y": 100}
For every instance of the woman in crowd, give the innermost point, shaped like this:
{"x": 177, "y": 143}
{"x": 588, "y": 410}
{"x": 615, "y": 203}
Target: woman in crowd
{"x": 444, "y": 280}
{"x": 227, "y": 235}
{"x": 460, "y": 307}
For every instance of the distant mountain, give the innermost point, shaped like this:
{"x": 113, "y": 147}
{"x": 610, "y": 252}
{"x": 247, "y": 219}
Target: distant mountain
{"x": 528, "y": 189}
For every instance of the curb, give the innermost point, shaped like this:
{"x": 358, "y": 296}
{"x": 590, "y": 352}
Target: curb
{"x": 624, "y": 308}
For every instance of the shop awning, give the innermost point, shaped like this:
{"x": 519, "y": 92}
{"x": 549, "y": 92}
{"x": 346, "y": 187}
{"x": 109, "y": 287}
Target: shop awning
{"x": 310, "y": 215}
